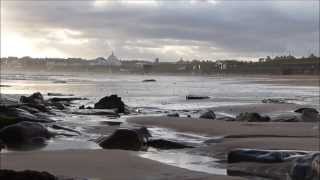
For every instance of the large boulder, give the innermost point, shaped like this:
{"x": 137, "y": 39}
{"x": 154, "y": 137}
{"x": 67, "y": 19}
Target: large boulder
{"x": 27, "y": 175}
{"x": 127, "y": 139}
{"x": 111, "y": 102}
{"x": 24, "y": 135}
{"x": 208, "y": 115}
{"x": 306, "y": 167}
{"x": 252, "y": 117}
{"x": 35, "y": 98}
{"x": 308, "y": 114}
{"x": 301, "y": 110}
{"x": 263, "y": 156}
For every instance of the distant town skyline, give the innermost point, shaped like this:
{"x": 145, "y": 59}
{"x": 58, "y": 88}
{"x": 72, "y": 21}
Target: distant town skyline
{"x": 168, "y": 30}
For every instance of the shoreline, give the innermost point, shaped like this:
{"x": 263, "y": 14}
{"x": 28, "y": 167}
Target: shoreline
{"x": 101, "y": 165}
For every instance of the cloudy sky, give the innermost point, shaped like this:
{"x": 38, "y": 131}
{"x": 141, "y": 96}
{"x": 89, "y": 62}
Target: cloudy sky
{"x": 168, "y": 29}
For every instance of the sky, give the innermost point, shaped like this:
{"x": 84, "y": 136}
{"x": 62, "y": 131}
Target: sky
{"x": 164, "y": 29}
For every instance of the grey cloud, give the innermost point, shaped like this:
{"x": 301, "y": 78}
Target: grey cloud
{"x": 249, "y": 28}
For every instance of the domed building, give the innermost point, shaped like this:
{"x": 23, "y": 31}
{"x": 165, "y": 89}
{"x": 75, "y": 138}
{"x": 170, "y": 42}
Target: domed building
{"x": 113, "y": 60}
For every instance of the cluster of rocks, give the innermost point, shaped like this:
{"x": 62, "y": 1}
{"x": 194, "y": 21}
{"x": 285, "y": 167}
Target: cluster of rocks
{"x": 30, "y": 175}
{"x": 24, "y": 124}
{"x": 299, "y": 115}
{"x": 294, "y": 164}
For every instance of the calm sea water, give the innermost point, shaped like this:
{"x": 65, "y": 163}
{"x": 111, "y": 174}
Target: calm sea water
{"x": 168, "y": 92}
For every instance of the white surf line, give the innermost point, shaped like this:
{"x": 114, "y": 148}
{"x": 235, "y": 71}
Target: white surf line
{"x": 181, "y": 158}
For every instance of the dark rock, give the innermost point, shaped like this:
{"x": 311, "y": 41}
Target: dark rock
{"x": 25, "y": 175}
{"x": 112, "y": 123}
{"x": 58, "y": 105}
{"x": 306, "y": 167}
{"x": 166, "y": 144}
{"x": 127, "y": 139}
{"x": 111, "y": 102}
{"x": 144, "y": 131}
{"x": 191, "y": 97}
{"x": 82, "y": 107}
{"x": 274, "y": 100}
{"x": 309, "y": 110}
{"x": 24, "y": 134}
{"x": 30, "y": 109}
{"x": 35, "y": 98}
{"x": 263, "y": 156}
{"x": 286, "y": 118}
{"x": 40, "y": 107}
{"x": 149, "y": 80}
{"x": 208, "y": 115}
{"x": 173, "y": 115}
{"x": 308, "y": 114}
{"x": 252, "y": 117}
{"x": 19, "y": 115}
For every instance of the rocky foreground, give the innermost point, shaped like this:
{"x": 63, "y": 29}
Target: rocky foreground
{"x": 251, "y": 143}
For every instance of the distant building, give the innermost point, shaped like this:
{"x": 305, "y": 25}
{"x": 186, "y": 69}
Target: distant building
{"x": 112, "y": 60}
{"x": 156, "y": 61}
{"x": 227, "y": 64}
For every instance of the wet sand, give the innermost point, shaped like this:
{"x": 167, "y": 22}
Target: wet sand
{"x": 101, "y": 165}
{"x": 262, "y": 108}
{"x": 258, "y": 135}
{"x": 290, "y": 80}
{"x": 223, "y": 128}
{"x": 268, "y": 136}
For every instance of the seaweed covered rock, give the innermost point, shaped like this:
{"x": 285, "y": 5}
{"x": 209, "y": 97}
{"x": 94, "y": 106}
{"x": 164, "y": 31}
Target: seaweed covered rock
{"x": 308, "y": 114}
{"x": 208, "y": 115}
{"x": 111, "y": 102}
{"x": 24, "y": 134}
{"x": 28, "y": 175}
{"x": 306, "y": 167}
{"x": 127, "y": 139}
{"x": 35, "y": 98}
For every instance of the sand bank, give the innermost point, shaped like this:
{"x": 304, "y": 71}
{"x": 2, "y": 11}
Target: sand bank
{"x": 101, "y": 164}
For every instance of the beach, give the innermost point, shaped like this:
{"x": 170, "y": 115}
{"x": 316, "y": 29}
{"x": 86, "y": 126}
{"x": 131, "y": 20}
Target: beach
{"x": 81, "y": 157}
{"x": 101, "y": 165}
